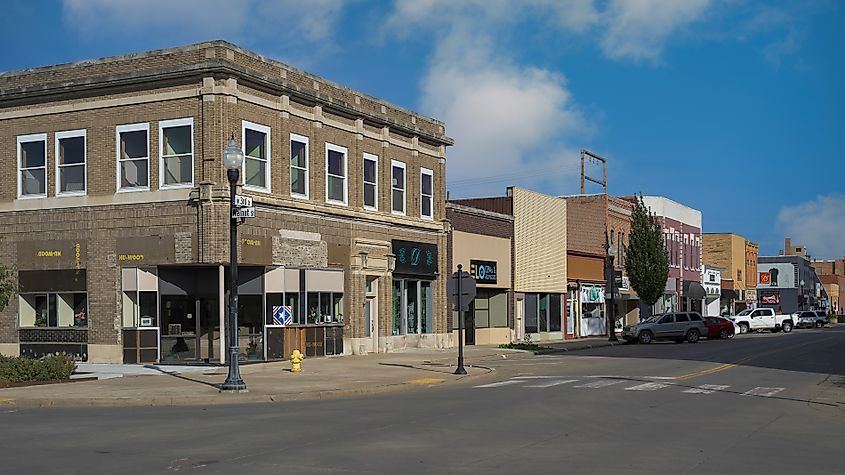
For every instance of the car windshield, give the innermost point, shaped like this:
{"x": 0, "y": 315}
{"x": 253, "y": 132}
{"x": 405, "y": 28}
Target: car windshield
{"x": 744, "y": 312}
{"x": 653, "y": 318}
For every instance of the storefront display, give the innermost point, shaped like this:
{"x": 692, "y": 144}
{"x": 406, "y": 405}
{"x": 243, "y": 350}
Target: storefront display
{"x": 592, "y": 312}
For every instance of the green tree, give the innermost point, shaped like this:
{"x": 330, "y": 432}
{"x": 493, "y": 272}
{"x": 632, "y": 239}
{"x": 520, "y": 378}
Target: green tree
{"x": 8, "y": 287}
{"x": 647, "y": 262}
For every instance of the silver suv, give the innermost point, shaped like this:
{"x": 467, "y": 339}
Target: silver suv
{"x": 676, "y": 326}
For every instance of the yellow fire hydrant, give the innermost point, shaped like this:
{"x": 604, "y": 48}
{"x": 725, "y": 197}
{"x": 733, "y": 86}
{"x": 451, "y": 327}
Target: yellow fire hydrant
{"x": 296, "y": 361}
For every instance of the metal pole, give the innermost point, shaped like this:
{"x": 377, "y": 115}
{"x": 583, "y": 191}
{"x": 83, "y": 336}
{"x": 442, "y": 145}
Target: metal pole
{"x": 460, "y": 301}
{"x": 233, "y": 380}
{"x": 611, "y": 310}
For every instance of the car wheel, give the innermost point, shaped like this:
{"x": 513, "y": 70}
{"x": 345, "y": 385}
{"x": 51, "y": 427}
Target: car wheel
{"x": 819, "y": 324}
{"x": 693, "y": 336}
{"x": 787, "y": 327}
{"x": 646, "y": 337}
{"x": 743, "y": 328}
{"x": 723, "y": 334}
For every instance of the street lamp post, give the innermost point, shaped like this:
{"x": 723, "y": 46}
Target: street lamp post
{"x": 233, "y": 157}
{"x": 611, "y": 309}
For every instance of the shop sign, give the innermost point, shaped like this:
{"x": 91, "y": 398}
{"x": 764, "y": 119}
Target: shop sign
{"x": 255, "y": 250}
{"x": 770, "y": 299}
{"x": 484, "y": 272}
{"x": 592, "y": 294}
{"x": 751, "y": 295}
{"x": 282, "y": 315}
{"x": 132, "y": 251}
{"x": 415, "y": 258}
{"x": 62, "y": 254}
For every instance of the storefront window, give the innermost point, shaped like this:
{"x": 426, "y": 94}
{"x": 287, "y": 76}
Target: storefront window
{"x": 412, "y": 306}
{"x": 325, "y": 307}
{"x": 531, "y": 313}
{"x": 54, "y": 310}
{"x": 542, "y": 313}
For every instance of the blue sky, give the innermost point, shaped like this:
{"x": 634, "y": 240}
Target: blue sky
{"x": 734, "y": 107}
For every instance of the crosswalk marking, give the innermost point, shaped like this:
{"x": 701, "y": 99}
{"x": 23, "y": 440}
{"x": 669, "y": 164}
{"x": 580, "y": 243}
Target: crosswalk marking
{"x": 549, "y": 384}
{"x": 500, "y": 383}
{"x": 602, "y": 383}
{"x": 763, "y": 392}
{"x": 535, "y": 377}
{"x": 707, "y": 389}
{"x": 647, "y": 387}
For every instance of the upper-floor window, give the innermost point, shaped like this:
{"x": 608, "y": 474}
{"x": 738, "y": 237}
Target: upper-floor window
{"x": 133, "y": 157}
{"x": 426, "y": 193}
{"x": 337, "y": 186}
{"x": 176, "y": 148}
{"x": 298, "y": 166}
{"x": 256, "y": 139}
{"x": 370, "y": 181}
{"x": 621, "y": 253}
{"x": 397, "y": 187}
{"x": 32, "y": 166}
{"x": 70, "y": 163}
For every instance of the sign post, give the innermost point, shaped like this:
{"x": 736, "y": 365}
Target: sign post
{"x": 461, "y": 290}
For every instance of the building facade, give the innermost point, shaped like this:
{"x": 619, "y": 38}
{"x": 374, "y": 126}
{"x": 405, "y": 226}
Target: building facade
{"x": 116, "y": 211}
{"x": 737, "y": 257}
{"x": 682, "y": 236}
{"x": 482, "y": 242}
{"x": 789, "y": 284}
{"x": 540, "y": 260}
{"x": 595, "y": 222}
{"x": 713, "y": 288}
{"x": 831, "y": 272}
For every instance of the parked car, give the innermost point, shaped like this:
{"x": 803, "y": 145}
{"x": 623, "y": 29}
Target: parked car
{"x": 763, "y": 319}
{"x": 675, "y": 326}
{"x": 718, "y": 327}
{"x": 811, "y": 319}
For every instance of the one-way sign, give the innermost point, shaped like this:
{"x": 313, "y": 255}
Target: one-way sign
{"x": 467, "y": 283}
{"x": 246, "y": 212}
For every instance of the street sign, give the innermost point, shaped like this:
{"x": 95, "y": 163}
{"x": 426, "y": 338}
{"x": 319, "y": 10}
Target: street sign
{"x": 243, "y": 201}
{"x": 460, "y": 302}
{"x": 247, "y": 212}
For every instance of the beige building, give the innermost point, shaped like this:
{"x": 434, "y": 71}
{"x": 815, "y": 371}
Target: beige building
{"x": 736, "y": 257}
{"x": 115, "y": 211}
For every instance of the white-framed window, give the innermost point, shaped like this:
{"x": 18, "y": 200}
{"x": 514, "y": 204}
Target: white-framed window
{"x": 397, "y": 187}
{"x": 337, "y": 186}
{"x": 256, "y": 171}
{"x": 370, "y": 181}
{"x": 298, "y": 166}
{"x": 176, "y": 149}
{"x": 32, "y": 166}
{"x": 426, "y": 193}
{"x": 133, "y": 157}
{"x": 71, "y": 172}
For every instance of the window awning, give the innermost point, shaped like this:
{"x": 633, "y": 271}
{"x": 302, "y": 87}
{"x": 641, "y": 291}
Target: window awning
{"x": 694, "y": 290}
{"x": 730, "y": 294}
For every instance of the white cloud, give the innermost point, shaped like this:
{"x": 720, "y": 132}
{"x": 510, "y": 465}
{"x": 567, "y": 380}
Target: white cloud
{"x": 819, "y": 225}
{"x": 639, "y": 29}
{"x": 195, "y": 20}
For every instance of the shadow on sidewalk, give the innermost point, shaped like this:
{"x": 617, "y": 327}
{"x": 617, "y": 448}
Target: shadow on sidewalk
{"x": 183, "y": 378}
{"x": 408, "y": 366}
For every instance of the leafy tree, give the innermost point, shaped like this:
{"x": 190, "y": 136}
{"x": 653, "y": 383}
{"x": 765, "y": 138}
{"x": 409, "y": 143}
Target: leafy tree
{"x": 647, "y": 262}
{"x": 8, "y": 288}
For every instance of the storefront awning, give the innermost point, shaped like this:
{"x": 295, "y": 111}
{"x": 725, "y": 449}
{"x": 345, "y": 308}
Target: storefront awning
{"x": 694, "y": 290}
{"x": 730, "y": 294}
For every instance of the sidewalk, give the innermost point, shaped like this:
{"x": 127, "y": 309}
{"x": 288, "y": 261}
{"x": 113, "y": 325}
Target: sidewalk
{"x": 321, "y": 378}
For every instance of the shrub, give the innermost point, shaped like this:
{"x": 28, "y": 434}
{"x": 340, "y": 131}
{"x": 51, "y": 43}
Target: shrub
{"x": 20, "y": 369}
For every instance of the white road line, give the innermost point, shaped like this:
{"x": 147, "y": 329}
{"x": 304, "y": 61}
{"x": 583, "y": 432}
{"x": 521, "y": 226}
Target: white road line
{"x": 647, "y": 387}
{"x": 602, "y": 383}
{"x": 763, "y": 392}
{"x": 616, "y": 376}
{"x": 535, "y": 377}
{"x": 549, "y": 384}
{"x": 706, "y": 389}
{"x": 499, "y": 384}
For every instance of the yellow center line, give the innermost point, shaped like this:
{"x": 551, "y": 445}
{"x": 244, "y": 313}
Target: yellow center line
{"x": 738, "y": 362}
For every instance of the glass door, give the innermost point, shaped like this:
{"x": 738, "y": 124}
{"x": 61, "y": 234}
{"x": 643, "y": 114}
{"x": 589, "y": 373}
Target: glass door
{"x": 178, "y": 328}
{"x": 209, "y": 333}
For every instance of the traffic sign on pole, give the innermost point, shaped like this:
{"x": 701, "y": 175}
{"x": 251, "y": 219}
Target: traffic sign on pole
{"x": 243, "y": 212}
{"x": 460, "y": 300}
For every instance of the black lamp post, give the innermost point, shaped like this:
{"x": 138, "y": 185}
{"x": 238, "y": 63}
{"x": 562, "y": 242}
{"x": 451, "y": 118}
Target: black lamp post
{"x": 611, "y": 309}
{"x": 233, "y": 158}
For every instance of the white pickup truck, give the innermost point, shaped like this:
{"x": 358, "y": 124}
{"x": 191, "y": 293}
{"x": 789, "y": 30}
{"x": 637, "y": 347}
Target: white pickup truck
{"x": 763, "y": 319}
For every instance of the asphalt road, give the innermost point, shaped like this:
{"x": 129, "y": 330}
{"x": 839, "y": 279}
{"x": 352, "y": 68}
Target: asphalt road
{"x": 760, "y": 403}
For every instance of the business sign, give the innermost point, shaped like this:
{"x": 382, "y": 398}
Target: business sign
{"x": 282, "y": 315}
{"x": 751, "y": 295}
{"x": 484, "y": 272}
{"x": 776, "y": 275}
{"x": 415, "y": 258}
{"x": 770, "y": 299}
{"x": 592, "y": 294}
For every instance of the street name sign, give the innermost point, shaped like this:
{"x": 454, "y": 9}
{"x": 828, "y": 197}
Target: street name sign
{"x": 245, "y": 212}
{"x": 243, "y": 201}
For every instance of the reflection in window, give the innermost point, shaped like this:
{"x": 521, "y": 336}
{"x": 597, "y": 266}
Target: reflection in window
{"x": 133, "y": 156}
{"x": 370, "y": 181}
{"x": 299, "y": 165}
{"x": 32, "y": 160}
{"x": 70, "y": 155}
{"x": 177, "y": 152}
{"x": 257, "y": 156}
{"x": 53, "y": 310}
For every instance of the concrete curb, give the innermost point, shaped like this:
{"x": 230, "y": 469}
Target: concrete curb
{"x": 559, "y": 351}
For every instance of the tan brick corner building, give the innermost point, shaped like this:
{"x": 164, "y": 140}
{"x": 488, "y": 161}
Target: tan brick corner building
{"x": 114, "y": 210}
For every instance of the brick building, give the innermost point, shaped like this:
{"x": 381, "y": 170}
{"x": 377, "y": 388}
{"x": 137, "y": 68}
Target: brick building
{"x": 590, "y": 220}
{"x": 115, "y": 210}
{"x": 737, "y": 257}
{"x": 831, "y": 272}
{"x": 482, "y": 242}
{"x": 540, "y": 261}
